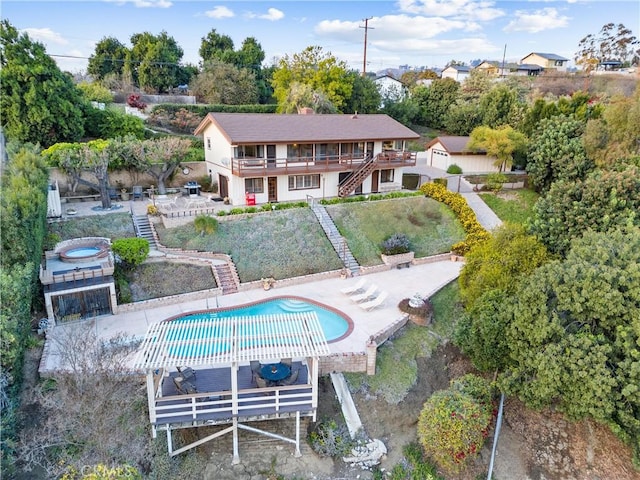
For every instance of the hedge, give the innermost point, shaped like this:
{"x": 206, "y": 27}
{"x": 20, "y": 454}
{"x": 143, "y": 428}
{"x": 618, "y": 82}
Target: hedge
{"x": 202, "y": 110}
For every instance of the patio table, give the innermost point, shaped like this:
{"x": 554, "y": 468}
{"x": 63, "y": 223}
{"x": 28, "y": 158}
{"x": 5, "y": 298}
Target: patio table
{"x": 275, "y": 371}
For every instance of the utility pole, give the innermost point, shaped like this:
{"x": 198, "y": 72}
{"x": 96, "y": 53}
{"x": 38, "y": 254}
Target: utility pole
{"x": 366, "y": 29}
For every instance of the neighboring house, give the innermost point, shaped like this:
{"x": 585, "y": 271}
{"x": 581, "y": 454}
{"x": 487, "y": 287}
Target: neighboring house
{"x": 458, "y": 72}
{"x": 548, "y": 61}
{"x": 496, "y": 68}
{"x": 528, "y": 70}
{"x": 391, "y": 88}
{"x": 275, "y": 158}
{"x": 445, "y": 151}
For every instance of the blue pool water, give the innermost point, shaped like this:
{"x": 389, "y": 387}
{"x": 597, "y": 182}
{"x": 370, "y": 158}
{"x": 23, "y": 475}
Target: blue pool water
{"x": 333, "y": 324}
{"x": 82, "y": 252}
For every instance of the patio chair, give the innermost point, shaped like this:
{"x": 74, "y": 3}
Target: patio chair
{"x": 364, "y": 296}
{"x": 376, "y": 302}
{"x": 187, "y": 373}
{"x": 184, "y": 386}
{"x": 137, "y": 192}
{"x": 354, "y": 288}
{"x": 255, "y": 367}
{"x": 291, "y": 379}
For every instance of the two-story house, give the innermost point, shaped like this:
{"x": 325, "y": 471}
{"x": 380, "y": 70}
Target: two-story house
{"x": 548, "y": 61}
{"x": 274, "y": 158}
{"x": 457, "y": 72}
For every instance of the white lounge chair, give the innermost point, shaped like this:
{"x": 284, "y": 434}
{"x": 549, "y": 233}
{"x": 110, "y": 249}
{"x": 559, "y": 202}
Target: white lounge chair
{"x": 360, "y": 297}
{"x": 355, "y": 288}
{"x": 376, "y": 302}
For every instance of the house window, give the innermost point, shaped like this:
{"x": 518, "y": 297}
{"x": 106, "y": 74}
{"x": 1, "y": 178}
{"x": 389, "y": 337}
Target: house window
{"x": 387, "y": 145}
{"x": 253, "y": 185}
{"x": 208, "y": 143}
{"x": 302, "y": 182}
{"x": 249, "y": 151}
{"x": 299, "y": 150}
{"x": 386, "y": 176}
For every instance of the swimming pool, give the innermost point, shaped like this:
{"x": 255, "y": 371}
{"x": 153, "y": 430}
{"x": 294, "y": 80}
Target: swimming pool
{"x": 335, "y": 324}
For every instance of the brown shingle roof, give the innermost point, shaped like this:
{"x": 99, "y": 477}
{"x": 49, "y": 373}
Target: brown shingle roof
{"x": 248, "y": 128}
{"x": 453, "y": 144}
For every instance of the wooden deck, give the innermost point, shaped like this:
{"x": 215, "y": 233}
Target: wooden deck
{"x": 213, "y": 404}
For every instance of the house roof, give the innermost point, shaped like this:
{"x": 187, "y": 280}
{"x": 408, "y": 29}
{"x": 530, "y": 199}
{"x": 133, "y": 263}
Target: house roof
{"x": 454, "y": 144}
{"x": 529, "y": 66}
{"x": 460, "y": 68}
{"x": 248, "y": 128}
{"x": 548, "y": 56}
{"x": 215, "y": 341}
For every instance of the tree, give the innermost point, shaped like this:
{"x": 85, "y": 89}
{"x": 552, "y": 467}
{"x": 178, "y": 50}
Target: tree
{"x": 475, "y": 85}
{"x": 215, "y": 46}
{"x": 319, "y": 70}
{"x": 303, "y": 96}
{"x": 107, "y": 59}
{"x": 604, "y": 200}
{"x": 498, "y": 262}
{"x": 130, "y": 252}
{"x": 365, "y": 96}
{"x": 556, "y": 152}
{"x": 434, "y": 101}
{"x": 223, "y": 83}
{"x": 160, "y": 158}
{"x": 575, "y": 333}
{"x": 615, "y": 136}
{"x": 500, "y": 106}
{"x": 501, "y": 143}
{"x": 612, "y": 43}
{"x": 154, "y": 61}
{"x": 405, "y": 111}
{"x": 94, "y": 92}
{"x": 39, "y": 103}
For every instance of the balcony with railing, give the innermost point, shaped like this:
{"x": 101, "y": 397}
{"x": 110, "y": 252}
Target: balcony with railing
{"x": 260, "y": 167}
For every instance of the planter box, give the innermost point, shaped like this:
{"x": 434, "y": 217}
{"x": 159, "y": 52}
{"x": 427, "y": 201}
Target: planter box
{"x": 401, "y": 258}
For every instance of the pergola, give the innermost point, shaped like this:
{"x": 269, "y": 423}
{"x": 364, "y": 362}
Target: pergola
{"x": 223, "y": 349}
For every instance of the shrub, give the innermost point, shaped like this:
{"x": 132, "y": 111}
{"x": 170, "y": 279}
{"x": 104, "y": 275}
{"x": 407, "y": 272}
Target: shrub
{"x": 205, "y": 224}
{"x": 440, "y": 181}
{"x": 396, "y": 244}
{"x": 134, "y": 101}
{"x": 152, "y": 210}
{"x": 495, "y": 181}
{"x": 452, "y": 427}
{"x": 454, "y": 169}
{"x": 329, "y": 439}
{"x": 131, "y": 252}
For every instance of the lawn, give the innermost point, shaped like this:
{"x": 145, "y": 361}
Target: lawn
{"x": 114, "y": 225}
{"x": 149, "y": 280}
{"x": 514, "y": 206}
{"x": 431, "y": 226}
{"x": 280, "y": 244}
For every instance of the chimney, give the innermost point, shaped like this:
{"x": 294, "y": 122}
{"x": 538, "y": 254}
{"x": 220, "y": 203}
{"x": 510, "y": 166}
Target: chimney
{"x": 355, "y": 115}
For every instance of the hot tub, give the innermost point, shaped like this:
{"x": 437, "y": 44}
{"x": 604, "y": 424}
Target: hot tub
{"x": 83, "y": 253}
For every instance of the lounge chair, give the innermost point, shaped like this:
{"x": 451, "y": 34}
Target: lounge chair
{"x": 376, "y": 302}
{"x": 360, "y": 297}
{"x": 355, "y": 288}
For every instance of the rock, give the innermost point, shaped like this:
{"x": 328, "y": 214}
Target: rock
{"x": 367, "y": 455}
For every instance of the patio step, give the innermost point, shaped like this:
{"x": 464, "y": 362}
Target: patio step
{"x": 144, "y": 229}
{"x": 337, "y": 241}
{"x": 225, "y": 278}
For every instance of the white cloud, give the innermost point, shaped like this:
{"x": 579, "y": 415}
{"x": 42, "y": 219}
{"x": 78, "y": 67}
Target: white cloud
{"x": 273, "y": 14}
{"x": 537, "y": 21}
{"x": 45, "y": 35}
{"x": 144, "y": 3}
{"x": 219, "y": 11}
{"x": 482, "y": 10}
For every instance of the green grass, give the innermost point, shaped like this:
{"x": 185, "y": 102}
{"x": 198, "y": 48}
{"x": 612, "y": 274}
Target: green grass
{"x": 113, "y": 225}
{"x": 280, "y": 244}
{"x": 447, "y": 309}
{"x": 431, "y": 226}
{"x": 513, "y": 210}
{"x": 149, "y": 279}
{"x": 396, "y": 366}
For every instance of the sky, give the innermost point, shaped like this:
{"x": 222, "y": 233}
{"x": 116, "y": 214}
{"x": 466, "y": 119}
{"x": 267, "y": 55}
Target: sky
{"x": 417, "y": 33}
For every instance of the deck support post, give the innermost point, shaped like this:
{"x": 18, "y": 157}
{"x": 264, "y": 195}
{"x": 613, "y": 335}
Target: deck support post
{"x": 169, "y": 442}
{"x": 297, "y": 454}
{"x": 236, "y": 456}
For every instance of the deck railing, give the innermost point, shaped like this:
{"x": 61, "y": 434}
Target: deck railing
{"x": 255, "y": 167}
{"x": 219, "y": 406}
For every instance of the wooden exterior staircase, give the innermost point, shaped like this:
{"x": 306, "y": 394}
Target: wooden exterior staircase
{"x": 349, "y": 184}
